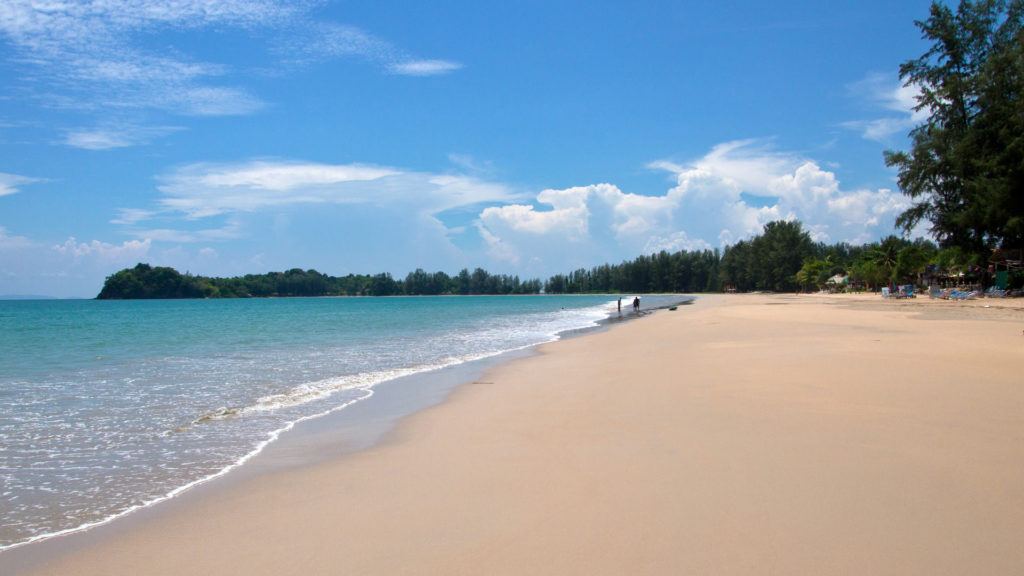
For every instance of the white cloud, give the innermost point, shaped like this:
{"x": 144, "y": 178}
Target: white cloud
{"x": 674, "y": 243}
{"x": 130, "y": 250}
{"x": 808, "y": 185}
{"x": 91, "y": 48}
{"x": 10, "y": 183}
{"x": 746, "y": 165}
{"x": 70, "y": 269}
{"x": 203, "y": 190}
{"x": 8, "y": 242}
{"x": 581, "y": 223}
{"x": 568, "y": 216}
{"x": 322, "y": 41}
{"x": 53, "y": 29}
{"x": 97, "y": 140}
{"x": 132, "y": 216}
{"x": 231, "y": 231}
{"x": 887, "y": 93}
{"x": 280, "y": 177}
{"x": 425, "y": 67}
{"x": 97, "y": 55}
{"x": 213, "y": 101}
{"x": 328, "y": 40}
{"x": 627, "y": 215}
{"x": 498, "y": 249}
{"x": 788, "y": 187}
{"x": 115, "y": 136}
{"x": 725, "y": 196}
{"x": 636, "y": 215}
{"x": 471, "y": 165}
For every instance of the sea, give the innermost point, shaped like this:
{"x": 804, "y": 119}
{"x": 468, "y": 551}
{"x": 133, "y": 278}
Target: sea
{"x": 107, "y": 407}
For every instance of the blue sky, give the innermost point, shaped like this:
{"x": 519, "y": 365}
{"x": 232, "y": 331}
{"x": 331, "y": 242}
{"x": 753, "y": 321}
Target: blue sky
{"x": 227, "y": 137}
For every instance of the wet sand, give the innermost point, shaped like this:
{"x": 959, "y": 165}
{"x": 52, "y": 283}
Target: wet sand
{"x": 743, "y": 434}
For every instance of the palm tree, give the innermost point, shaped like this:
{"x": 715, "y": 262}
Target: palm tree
{"x": 886, "y": 256}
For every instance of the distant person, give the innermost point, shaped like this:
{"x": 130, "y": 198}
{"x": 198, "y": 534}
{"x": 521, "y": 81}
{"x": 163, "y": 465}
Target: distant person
{"x": 620, "y": 305}
{"x": 636, "y": 304}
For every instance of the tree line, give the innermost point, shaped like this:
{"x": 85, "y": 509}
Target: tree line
{"x": 145, "y": 281}
{"x": 783, "y": 258}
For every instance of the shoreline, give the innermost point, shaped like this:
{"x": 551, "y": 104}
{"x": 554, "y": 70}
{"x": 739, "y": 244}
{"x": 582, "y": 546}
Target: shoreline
{"x": 346, "y": 429}
{"x": 537, "y": 424}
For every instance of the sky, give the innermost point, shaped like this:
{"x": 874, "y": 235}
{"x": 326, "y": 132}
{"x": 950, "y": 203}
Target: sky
{"x": 228, "y": 137}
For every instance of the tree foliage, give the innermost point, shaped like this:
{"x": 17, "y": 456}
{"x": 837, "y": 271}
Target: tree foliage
{"x": 965, "y": 170}
{"x": 769, "y": 261}
{"x": 782, "y": 258}
{"x": 145, "y": 281}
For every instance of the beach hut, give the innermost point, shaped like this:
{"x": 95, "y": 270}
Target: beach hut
{"x": 1002, "y": 261}
{"x": 837, "y": 283}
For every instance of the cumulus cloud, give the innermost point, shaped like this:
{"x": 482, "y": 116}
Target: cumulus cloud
{"x": 727, "y": 195}
{"x": 69, "y": 269}
{"x": 568, "y": 214}
{"x": 746, "y": 185}
{"x": 585, "y": 221}
{"x": 131, "y": 250}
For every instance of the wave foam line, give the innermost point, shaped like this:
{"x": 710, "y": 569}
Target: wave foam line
{"x": 271, "y": 437}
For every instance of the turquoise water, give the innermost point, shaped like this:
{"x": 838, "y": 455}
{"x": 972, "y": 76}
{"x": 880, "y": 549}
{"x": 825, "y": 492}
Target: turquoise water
{"x": 108, "y": 406}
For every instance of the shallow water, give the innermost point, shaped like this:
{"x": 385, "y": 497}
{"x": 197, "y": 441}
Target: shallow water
{"x": 107, "y": 406}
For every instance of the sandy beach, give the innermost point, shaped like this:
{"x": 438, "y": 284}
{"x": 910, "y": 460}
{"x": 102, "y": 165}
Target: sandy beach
{"x": 743, "y": 434}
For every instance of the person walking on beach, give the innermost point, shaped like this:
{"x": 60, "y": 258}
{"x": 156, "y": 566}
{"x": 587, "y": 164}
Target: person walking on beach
{"x": 636, "y": 304}
{"x": 620, "y": 305}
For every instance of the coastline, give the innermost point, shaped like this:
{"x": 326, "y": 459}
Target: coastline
{"x": 743, "y": 433}
{"x": 87, "y": 516}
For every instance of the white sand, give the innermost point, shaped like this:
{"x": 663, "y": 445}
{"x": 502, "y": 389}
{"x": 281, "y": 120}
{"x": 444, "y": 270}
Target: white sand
{"x": 741, "y": 435}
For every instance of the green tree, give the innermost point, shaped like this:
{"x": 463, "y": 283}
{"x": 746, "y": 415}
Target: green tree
{"x": 965, "y": 170}
{"x": 814, "y": 273}
{"x": 887, "y": 254}
{"x": 867, "y": 271}
{"x": 779, "y": 255}
{"x": 910, "y": 263}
